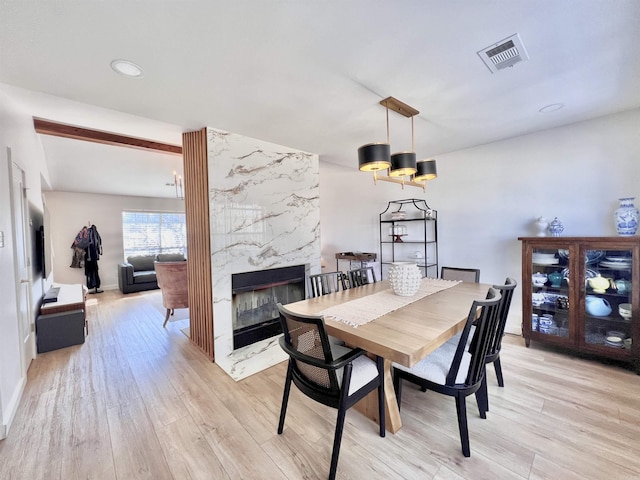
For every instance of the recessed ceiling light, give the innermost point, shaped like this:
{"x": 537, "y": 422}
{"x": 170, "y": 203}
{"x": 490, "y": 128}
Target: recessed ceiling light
{"x": 127, "y": 68}
{"x": 554, "y": 107}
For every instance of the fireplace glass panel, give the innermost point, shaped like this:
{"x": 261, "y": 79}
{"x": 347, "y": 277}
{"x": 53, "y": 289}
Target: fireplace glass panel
{"x": 255, "y": 299}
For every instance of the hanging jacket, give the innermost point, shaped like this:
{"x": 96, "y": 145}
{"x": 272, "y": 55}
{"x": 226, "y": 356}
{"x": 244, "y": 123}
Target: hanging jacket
{"x": 82, "y": 239}
{"x": 77, "y": 261}
{"x": 94, "y": 249}
{"x": 80, "y": 243}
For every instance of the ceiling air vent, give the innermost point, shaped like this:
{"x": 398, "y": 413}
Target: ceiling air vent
{"x": 505, "y": 53}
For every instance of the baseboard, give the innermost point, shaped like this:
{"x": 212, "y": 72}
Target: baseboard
{"x": 12, "y": 408}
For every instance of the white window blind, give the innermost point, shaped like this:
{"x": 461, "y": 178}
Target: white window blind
{"x": 150, "y": 233}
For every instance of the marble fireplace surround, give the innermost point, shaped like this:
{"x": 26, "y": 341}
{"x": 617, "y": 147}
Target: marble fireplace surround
{"x": 264, "y": 213}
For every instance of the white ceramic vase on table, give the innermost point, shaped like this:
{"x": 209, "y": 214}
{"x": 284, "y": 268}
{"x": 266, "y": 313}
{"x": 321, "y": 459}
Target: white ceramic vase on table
{"x": 405, "y": 278}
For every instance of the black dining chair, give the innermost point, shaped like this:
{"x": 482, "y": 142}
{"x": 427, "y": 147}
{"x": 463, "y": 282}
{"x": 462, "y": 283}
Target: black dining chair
{"x": 330, "y": 374}
{"x": 362, "y": 276}
{"x": 324, "y": 283}
{"x": 458, "y": 370}
{"x": 462, "y": 274}
{"x": 493, "y": 353}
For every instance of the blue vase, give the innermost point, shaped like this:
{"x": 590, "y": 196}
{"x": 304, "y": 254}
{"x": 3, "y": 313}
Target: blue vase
{"x": 556, "y": 228}
{"x": 626, "y": 217}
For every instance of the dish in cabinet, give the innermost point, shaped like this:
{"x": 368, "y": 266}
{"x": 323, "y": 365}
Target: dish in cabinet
{"x": 592, "y": 256}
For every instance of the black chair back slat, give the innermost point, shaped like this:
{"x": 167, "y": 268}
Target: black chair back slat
{"x": 485, "y": 326}
{"x": 483, "y": 335}
{"x": 506, "y": 292}
{"x": 325, "y": 283}
{"x": 362, "y": 276}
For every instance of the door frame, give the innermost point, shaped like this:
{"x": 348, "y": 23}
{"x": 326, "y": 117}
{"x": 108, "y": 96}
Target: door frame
{"x": 23, "y": 275}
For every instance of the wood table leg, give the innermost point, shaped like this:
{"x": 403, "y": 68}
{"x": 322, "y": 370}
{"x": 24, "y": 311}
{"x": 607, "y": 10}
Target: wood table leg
{"x": 368, "y": 406}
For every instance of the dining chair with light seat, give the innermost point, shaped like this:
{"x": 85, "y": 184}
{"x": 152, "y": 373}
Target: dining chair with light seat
{"x": 325, "y": 283}
{"x": 458, "y": 370}
{"x": 330, "y": 374}
{"x": 493, "y": 353}
{"x": 173, "y": 282}
{"x": 462, "y": 274}
{"x": 362, "y": 276}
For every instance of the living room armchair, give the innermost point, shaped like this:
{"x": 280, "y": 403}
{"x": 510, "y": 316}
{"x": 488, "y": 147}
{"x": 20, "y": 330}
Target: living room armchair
{"x": 173, "y": 281}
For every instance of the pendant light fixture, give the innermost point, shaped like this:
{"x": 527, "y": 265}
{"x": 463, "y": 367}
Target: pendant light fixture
{"x": 401, "y": 167}
{"x": 426, "y": 170}
{"x": 375, "y": 156}
{"x": 177, "y": 184}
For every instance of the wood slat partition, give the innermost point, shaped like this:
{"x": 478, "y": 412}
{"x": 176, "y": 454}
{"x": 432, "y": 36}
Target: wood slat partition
{"x": 196, "y": 198}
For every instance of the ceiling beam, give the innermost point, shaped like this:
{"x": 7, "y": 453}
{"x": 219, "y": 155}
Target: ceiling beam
{"x": 48, "y": 127}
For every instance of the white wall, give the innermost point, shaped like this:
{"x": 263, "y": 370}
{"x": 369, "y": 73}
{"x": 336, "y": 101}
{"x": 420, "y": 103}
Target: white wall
{"x": 69, "y": 212}
{"x": 489, "y": 195}
{"x": 16, "y": 133}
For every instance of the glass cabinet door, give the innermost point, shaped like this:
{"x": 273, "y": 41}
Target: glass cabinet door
{"x": 607, "y": 302}
{"x": 550, "y": 293}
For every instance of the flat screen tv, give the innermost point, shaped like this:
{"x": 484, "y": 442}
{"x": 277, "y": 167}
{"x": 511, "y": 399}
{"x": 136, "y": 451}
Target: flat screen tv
{"x": 37, "y": 234}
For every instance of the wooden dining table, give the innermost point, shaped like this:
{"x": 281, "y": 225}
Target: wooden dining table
{"x": 404, "y": 336}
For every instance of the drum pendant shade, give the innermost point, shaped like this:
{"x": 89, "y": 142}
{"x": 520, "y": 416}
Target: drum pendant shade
{"x": 426, "y": 170}
{"x": 403, "y": 163}
{"x": 374, "y": 156}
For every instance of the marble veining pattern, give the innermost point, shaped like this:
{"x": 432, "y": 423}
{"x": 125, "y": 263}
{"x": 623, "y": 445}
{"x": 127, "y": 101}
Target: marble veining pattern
{"x": 264, "y": 213}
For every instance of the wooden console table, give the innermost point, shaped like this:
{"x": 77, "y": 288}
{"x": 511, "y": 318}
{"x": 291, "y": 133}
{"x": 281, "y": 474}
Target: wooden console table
{"x": 355, "y": 257}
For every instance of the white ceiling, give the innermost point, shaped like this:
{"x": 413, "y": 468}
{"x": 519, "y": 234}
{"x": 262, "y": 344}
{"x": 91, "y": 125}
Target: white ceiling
{"x": 308, "y": 75}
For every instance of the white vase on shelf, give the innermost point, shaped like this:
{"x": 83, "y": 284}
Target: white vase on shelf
{"x": 405, "y": 278}
{"x": 541, "y": 225}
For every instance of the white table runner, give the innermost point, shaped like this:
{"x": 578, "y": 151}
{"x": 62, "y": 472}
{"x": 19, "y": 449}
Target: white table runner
{"x": 366, "y": 309}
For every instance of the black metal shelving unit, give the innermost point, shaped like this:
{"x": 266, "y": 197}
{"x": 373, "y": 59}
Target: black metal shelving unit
{"x": 420, "y": 224}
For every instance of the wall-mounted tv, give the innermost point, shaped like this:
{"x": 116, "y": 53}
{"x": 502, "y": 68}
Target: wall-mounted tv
{"x": 37, "y": 239}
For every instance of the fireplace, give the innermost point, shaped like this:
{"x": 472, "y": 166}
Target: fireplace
{"x": 255, "y": 296}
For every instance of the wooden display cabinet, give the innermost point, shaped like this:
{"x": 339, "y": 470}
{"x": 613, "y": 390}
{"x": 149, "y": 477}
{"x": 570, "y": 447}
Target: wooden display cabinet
{"x": 581, "y": 315}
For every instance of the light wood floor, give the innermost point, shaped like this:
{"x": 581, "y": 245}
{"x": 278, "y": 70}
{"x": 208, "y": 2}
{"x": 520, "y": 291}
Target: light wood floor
{"x": 138, "y": 401}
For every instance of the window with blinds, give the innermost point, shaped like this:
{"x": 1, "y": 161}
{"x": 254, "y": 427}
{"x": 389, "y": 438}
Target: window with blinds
{"x": 150, "y": 233}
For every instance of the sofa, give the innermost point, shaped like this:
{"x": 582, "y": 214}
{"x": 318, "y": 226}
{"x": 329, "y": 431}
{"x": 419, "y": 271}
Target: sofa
{"x": 138, "y": 272}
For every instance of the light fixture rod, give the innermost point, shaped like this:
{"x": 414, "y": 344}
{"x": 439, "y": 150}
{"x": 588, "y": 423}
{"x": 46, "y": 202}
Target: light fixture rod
{"x": 422, "y": 185}
{"x": 388, "y": 141}
{"x": 412, "y": 147}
